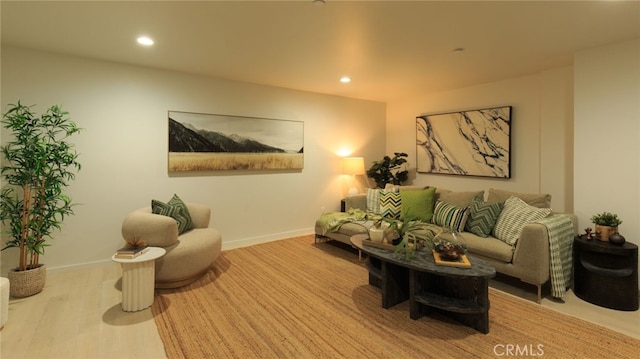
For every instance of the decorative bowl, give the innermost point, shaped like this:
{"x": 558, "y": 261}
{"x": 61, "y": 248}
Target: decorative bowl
{"x": 449, "y": 251}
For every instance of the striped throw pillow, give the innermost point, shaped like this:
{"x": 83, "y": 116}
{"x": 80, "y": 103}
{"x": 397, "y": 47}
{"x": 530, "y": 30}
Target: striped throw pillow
{"x": 515, "y": 215}
{"x": 448, "y": 215}
{"x": 373, "y": 200}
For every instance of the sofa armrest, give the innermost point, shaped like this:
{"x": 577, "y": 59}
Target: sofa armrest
{"x": 356, "y": 201}
{"x": 156, "y": 230}
{"x": 200, "y": 214}
{"x": 532, "y": 253}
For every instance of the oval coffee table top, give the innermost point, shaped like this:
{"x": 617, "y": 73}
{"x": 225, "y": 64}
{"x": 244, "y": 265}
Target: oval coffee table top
{"x": 423, "y": 261}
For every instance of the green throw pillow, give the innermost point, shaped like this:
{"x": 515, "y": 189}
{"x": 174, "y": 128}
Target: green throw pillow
{"x": 175, "y": 209}
{"x": 418, "y": 204}
{"x": 448, "y": 215}
{"x": 483, "y": 217}
{"x": 390, "y": 203}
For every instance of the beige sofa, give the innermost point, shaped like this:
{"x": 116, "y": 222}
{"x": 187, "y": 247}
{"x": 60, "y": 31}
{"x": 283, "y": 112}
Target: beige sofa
{"x": 528, "y": 260}
{"x": 188, "y": 255}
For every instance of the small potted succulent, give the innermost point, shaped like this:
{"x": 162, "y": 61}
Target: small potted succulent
{"x": 606, "y": 225}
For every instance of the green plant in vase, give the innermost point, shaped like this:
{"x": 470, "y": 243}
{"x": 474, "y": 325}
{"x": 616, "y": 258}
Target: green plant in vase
{"x": 389, "y": 170}
{"x": 408, "y": 235}
{"x": 606, "y": 224}
{"x": 37, "y": 166}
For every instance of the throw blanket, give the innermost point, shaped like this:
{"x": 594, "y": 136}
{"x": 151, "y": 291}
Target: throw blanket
{"x": 560, "y": 228}
{"x": 331, "y": 222}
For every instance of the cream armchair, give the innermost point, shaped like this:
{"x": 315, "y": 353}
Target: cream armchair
{"x": 189, "y": 255}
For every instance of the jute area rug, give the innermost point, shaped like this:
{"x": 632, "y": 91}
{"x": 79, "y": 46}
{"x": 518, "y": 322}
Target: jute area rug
{"x": 296, "y": 299}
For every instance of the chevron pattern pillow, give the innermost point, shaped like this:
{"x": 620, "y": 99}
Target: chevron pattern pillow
{"x": 515, "y": 215}
{"x": 390, "y": 203}
{"x": 175, "y": 209}
{"x": 448, "y": 215}
{"x": 483, "y": 217}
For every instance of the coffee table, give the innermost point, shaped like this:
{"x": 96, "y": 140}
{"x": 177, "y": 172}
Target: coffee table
{"x": 462, "y": 293}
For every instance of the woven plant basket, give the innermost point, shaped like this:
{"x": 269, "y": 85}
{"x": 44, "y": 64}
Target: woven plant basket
{"x": 28, "y": 282}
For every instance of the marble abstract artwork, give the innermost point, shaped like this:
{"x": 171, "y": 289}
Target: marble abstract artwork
{"x": 468, "y": 143}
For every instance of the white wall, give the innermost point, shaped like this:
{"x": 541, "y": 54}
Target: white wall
{"x": 607, "y": 135}
{"x": 541, "y": 141}
{"x": 123, "y": 110}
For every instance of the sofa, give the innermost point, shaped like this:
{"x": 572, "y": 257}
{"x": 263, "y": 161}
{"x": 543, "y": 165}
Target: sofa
{"x": 188, "y": 254}
{"x": 524, "y": 253}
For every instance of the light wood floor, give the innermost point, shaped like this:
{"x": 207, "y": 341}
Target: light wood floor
{"x": 78, "y": 315}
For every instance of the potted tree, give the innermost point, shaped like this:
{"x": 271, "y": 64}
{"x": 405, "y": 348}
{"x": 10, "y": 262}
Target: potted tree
{"x": 37, "y": 166}
{"x": 606, "y": 225}
{"x": 389, "y": 170}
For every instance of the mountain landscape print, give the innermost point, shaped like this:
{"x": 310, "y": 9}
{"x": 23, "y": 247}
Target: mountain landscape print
{"x": 205, "y": 142}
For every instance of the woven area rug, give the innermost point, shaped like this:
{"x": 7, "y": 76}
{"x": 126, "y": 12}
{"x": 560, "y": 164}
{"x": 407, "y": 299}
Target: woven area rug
{"x": 296, "y": 299}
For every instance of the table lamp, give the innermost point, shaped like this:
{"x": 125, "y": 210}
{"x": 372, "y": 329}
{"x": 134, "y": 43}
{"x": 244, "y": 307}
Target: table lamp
{"x": 353, "y": 166}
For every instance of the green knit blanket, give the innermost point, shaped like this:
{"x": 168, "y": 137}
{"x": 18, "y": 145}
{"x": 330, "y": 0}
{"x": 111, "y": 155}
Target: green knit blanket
{"x": 561, "y": 233}
{"x": 332, "y": 221}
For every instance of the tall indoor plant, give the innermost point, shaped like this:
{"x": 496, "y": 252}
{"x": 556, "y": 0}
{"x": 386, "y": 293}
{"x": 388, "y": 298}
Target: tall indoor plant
{"x": 38, "y": 164}
{"x": 389, "y": 170}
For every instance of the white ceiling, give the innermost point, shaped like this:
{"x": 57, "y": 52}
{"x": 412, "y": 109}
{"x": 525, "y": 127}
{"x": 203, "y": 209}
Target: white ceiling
{"x": 391, "y": 49}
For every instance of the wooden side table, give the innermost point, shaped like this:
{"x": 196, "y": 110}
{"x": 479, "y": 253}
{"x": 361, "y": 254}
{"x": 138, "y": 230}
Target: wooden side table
{"x": 606, "y": 274}
{"x": 138, "y": 277}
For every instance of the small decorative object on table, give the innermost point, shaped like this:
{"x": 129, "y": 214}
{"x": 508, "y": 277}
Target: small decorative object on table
{"x": 449, "y": 251}
{"x": 588, "y": 233}
{"x": 617, "y": 238}
{"x": 135, "y": 247}
{"x": 450, "y": 248}
{"x": 606, "y": 225}
{"x": 376, "y": 232}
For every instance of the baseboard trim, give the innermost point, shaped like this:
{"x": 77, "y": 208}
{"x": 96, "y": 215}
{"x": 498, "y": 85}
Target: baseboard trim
{"x": 239, "y": 243}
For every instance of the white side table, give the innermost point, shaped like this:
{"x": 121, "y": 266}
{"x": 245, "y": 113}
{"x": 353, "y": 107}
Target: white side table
{"x": 138, "y": 277}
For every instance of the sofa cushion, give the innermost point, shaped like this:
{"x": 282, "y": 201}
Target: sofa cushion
{"x": 417, "y": 204}
{"x": 175, "y": 209}
{"x": 483, "y": 217}
{"x": 540, "y": 200}
{"x": 448, "y": 215}
{"x": 460, "y": 199}
{"x": 395, "y": 187}
{"x": 488, "y": 247}
{"x": 390, "y": 203}
{"x": 514, "y": 216}
{"x": 373, "y": 200}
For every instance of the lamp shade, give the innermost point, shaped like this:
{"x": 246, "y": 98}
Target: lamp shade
{"x": 353, "y": 166}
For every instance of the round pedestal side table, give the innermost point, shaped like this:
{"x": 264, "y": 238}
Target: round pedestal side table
{"x": 138, "y": 277}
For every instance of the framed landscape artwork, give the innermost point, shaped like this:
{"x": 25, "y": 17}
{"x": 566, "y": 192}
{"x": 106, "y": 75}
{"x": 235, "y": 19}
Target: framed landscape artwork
{"x": 205, "y": 142}
{"x": 467, "y": 143}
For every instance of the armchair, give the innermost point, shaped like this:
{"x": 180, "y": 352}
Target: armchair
{"x": 188, "y": 256}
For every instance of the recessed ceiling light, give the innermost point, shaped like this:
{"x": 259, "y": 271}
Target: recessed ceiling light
{"x": 345, "y": 79}
{"x": 144, "y": 40}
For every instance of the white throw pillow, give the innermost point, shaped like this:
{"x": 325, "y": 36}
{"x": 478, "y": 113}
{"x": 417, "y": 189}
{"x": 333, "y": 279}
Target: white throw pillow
{"x": 373, "y": 200}
{"x": 515, "y": 215}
